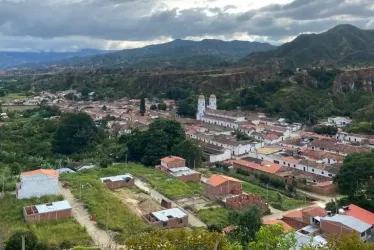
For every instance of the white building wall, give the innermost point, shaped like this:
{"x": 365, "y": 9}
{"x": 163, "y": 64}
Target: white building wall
{"x": 226, "y": 155}
{"x": 37, "y": 186}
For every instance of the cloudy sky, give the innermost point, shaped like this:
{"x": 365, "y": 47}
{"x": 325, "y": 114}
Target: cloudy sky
{"x": 60, "y": 25}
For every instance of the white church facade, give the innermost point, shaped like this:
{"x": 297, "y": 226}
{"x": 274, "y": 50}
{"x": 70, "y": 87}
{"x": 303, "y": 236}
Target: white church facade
{"x": 210, "y": 114}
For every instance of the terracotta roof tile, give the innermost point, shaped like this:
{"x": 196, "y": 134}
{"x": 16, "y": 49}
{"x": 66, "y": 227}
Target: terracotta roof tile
{"x": 216, "y": 180}
{"x": 50, "y": 172}
{"x": 286, "y": 227}
{"x": 361, "y": 214}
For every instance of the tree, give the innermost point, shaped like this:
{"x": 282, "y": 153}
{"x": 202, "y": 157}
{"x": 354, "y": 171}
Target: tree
{"x": 180, "y": 239}
{"x": 343, "y": 242}
{"x": 273, "y": 237}
{"x": 153, "y": 107}
{"x": 142, "y": 106}
{"x": 188, "y": 150}
{"x": 76, "y": 133}
{"x": 355, "y": 179}
{"x": 248, "y": 222}
{"x": 15, "y": 241}
{"x": 162, "y": 106}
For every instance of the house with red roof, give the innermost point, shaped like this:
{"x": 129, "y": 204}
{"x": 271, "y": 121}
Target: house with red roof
{"x": 37, "y": 183}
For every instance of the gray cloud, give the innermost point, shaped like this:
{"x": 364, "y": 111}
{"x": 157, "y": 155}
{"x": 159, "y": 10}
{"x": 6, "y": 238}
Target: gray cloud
{"x": 92, "y": 23}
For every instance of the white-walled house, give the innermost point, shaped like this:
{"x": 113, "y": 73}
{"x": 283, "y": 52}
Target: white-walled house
{"x": 37, "y": 183}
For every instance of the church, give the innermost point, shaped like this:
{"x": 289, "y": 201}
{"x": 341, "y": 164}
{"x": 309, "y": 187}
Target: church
{"x": 210, "y": 114}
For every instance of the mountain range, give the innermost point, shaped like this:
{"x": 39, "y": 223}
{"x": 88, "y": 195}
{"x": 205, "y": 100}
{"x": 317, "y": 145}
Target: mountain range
{"x": 16, "y": 59}
{"x": 341, "y": 45}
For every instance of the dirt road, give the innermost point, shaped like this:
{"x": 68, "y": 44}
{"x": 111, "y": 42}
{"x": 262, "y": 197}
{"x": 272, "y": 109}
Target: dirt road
{"x": 192, "y": 219}
{"x": 100, "y": 237}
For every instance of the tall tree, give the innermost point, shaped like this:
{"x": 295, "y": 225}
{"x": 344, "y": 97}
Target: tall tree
{"x": 248, "y": 222}
{"x": 355, "y": 179}
{"x": 142, "y": 106}
{"x": 76, "y": 133}
{"x": 273, "y": 237}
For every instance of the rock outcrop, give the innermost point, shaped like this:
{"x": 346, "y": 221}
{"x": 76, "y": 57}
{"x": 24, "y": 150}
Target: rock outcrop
{"x": 355, "y": 80}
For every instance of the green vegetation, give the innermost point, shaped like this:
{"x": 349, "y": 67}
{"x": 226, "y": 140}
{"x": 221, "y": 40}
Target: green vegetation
{"x": 288, "y": 203}
{"x": 163, "y": 138}
{"x": 179, "y": 239}
{"x": 355, "y": 179}
{"x": 343, "y": 44}
{"x": 53, "y": 233}
{"x": 215, "y": 216}
{"x": 100, "y": 201}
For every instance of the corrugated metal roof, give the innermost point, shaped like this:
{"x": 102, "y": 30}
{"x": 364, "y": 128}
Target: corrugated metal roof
{"x": 53, "y": 207}
{"x": 165, "y": 215}
{"x": 117, "y": 178}
{"x": 348, "y": 221}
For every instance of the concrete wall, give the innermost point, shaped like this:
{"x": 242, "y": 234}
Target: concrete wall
{"x": 37, "y": 186}
{"x": 48, "y": 216}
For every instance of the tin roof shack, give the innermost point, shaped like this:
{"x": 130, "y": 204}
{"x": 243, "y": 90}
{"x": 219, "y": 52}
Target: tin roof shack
{"x": 119, "y": 181}
{"x": 37, "y": 183}
{"x": 47, "y": 212}
{"x": 169, "y": 218}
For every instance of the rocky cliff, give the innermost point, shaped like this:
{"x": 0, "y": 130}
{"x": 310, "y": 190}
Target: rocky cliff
{"x": 355, "y": 80}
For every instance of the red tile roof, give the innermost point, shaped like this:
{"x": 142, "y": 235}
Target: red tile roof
{"x": 265, "y": 166}
{"x": 286, "y": 227}
{"x": 361, "y": 214}
{"x": 49, "y": 172}
{"x": 216, "y": 180}
{"x": 169, "y": 159}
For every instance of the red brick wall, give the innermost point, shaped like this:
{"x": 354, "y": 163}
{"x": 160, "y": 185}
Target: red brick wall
{"x": 334, "y": 228}
{"x": 119, "y": 184}
{"x": 176, "y": 164}
{"x": 221, "y": 190}
{"x": 48, "y": 216}
{"x": 192, "y": 177}
{"x": 243, "y": 200}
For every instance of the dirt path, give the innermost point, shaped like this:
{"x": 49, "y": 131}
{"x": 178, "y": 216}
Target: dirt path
{"x": 100, "y": 237}
{"x": 192, "y": 219}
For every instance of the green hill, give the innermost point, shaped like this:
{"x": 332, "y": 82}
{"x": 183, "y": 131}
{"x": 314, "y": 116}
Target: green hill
{"x": 176, "y": 54}
{"x": 341, "y": 45}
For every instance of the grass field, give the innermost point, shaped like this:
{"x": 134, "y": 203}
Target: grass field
{"x": 102, "y": 202}
{"x": 165, "y": 184}
{"x": 214, "y": 216}
{"x": 288, "y": 203}
{"x": 12, "y": 220}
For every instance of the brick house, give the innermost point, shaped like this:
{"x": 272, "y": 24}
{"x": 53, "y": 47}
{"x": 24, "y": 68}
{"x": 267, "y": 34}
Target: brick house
{"x": 48, "y": 212}
{"x": 345, "y": 224}
{"x": 300, "y": 218}
{"x": 37, "y": 183}
{"x": 176, "y": 166}
{"x": 115, "y": 182}
{"x": 169, "y": 218}
{"x": 219, "y": 186}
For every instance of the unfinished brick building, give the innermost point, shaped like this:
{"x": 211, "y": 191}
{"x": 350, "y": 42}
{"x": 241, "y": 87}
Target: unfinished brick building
{"x": 243, "y": 200}
{"x": 169, "y": 218}
{"x": 119, "y": 181}
{"x": 48, "y": 212}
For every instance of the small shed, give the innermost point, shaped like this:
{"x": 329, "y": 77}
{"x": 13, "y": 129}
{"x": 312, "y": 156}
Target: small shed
{"x": 47, "y": 212}
{"x": 114, "y": 182}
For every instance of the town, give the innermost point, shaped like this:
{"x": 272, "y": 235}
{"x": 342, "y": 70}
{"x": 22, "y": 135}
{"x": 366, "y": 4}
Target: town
{"x": 243, "y": 152}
